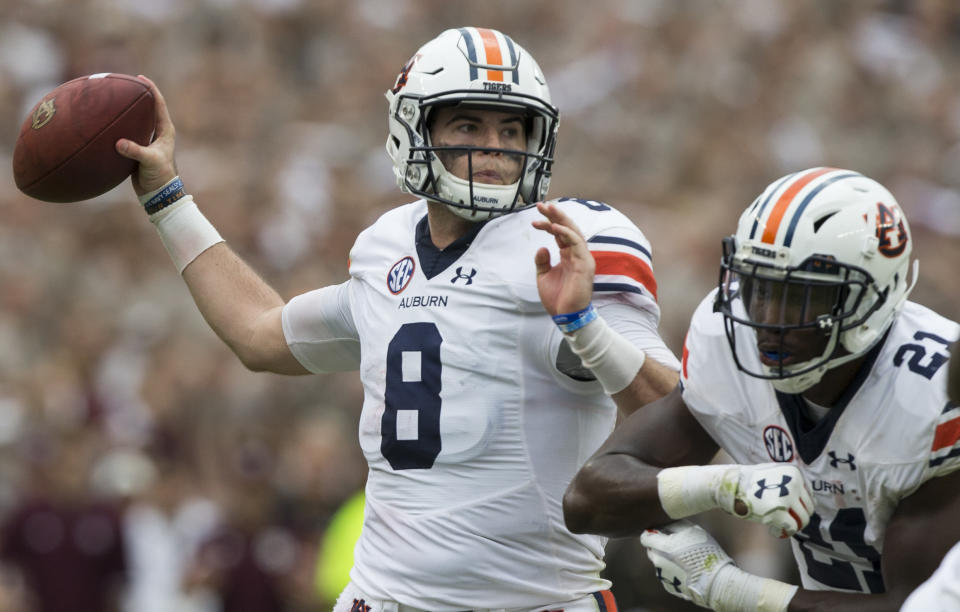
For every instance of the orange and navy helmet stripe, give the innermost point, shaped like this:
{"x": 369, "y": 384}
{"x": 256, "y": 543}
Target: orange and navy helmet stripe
{"x": 496, "y": 46}
{"x": 789, "y": 188}
{"x": 491, "y": 50}
{"x": 784, "y": 202}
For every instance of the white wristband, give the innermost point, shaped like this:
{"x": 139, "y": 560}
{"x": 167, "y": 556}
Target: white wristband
{"x": 692, "y": 489}
{"x": 611, "y": 357}
{"x": 185, "y": 232}
{"x": 734, "y": 590}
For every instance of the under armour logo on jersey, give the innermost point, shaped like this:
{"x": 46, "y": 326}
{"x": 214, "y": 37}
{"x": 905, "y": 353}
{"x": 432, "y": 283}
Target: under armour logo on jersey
{"x": 360, "y": 605}
{"x": 675, "y": 583}
{"x": 466, "y": 277}
{"x": 835, "y": 461}
{"x": 763, "y": 486}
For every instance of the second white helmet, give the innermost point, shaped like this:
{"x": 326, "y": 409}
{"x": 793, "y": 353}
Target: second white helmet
{"x": 829, "y": 250}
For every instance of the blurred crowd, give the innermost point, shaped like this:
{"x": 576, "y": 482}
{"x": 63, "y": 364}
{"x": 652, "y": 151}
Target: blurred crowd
{"x": 142, "y": 467}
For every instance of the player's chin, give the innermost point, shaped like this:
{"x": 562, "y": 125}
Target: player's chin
{"x": 488, "y": 179}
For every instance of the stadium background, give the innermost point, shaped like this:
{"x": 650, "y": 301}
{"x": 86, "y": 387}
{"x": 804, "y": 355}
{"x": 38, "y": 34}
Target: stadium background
{"x": 113, "y": 389}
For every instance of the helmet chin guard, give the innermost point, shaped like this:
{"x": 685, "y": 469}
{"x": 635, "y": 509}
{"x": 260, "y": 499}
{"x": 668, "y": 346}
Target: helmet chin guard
{"x": 817, "y": 271}
{"x": 480, "y": 68}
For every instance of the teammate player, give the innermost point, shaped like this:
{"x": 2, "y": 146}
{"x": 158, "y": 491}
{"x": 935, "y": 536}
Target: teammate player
{"x": 812, "y": 370}
{"x": 477, "y": 410}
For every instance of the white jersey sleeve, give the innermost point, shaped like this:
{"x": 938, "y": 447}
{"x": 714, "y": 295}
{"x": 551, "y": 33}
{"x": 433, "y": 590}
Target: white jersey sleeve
{"x": 320, "y": 332}
{"x": 624, "y": 286}
{"x": 891, "y": 431}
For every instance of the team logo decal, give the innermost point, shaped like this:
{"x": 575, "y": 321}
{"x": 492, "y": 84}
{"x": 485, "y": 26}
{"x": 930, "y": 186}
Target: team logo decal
{"x": 404, "y": 73}
{"x": 778, "y": 443}
{"x": 890, "y": 231}
{"x": 43, "y": 114}
{"x": 400, "y": 274}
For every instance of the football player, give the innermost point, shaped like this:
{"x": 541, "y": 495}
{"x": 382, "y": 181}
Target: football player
{"x": 812, "y": 370}
{"x": 477, "y": 408}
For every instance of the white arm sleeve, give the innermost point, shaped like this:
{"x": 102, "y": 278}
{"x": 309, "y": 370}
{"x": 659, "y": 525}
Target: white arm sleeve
{"x": 320, "y": 331}
{"x": 639, "y": 326}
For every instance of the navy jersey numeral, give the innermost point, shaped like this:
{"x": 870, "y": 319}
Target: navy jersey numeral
{"x": 919, "y": 352}
{"x": 848, "y": 527}
{"x": 591, "y": 204}
{"x": 412, "y": 398}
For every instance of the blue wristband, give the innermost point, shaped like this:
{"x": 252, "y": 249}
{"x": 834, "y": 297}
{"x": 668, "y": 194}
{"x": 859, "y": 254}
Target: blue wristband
{"x": 573, "y": 321}
{"x": 165, "y": 197}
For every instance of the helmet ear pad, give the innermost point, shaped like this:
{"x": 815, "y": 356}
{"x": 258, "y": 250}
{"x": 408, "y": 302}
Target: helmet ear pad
{"x": 458, "y": 67}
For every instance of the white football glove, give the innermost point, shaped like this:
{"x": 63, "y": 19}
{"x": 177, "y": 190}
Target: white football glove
{"x": 687, "y": 559}
{"x": 773, "y": 494}
{"x": 691, "y": 565}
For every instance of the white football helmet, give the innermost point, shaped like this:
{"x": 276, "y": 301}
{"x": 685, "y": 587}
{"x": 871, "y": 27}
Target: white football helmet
{"x": 822, "y": 249}
{"x": 481, "y": 68}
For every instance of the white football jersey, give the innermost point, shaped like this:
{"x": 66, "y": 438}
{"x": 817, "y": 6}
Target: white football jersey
{"x": 470, "y": 431}
{"x": 893, "y": 430}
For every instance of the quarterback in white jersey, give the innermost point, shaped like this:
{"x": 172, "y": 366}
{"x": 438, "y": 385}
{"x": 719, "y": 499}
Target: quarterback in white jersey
{"x": 478, "y": 406}
{"x": 470, "y": 429}
{"x": 812, "y": 370}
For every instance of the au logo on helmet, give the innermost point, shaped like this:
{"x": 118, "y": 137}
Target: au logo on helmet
{"x": 892, "y": 243}
{"x": 404, "y": 73}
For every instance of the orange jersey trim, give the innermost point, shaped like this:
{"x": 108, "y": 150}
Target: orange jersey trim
{"x": 947, "y": 434}
{"x": 613, "y": 262}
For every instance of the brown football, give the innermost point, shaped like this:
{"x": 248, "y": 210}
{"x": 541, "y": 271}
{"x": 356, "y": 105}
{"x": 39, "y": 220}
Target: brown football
{"x": 65, "y": 151}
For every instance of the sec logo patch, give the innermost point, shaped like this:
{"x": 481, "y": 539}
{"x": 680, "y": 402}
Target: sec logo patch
{"x": 778, "y": 443}
{"x": 400, "y": 274}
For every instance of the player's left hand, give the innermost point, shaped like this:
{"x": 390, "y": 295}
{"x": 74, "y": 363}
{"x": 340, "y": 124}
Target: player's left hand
{"x": 687, "y": 559}
{"x": 773, "y": 494}
{"x": 568, "y": 286}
